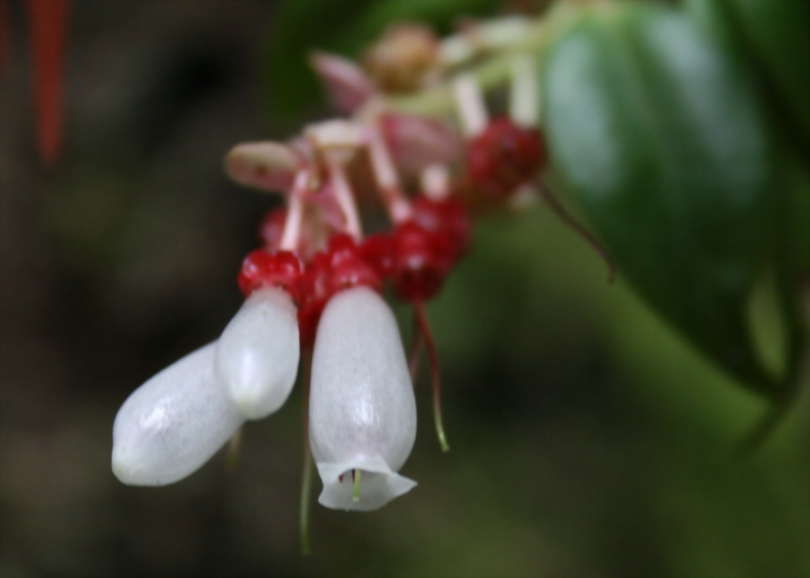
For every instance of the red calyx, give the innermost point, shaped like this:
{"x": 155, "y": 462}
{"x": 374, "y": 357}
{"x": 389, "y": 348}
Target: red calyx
{"x": 419, "y": 267}
{"x": 281, "y": 269}
{"x": 378, "y": 250}
{"x": 428, "y": 246}
{"x": 447, "y": 219}
{"x": 347, "y": 266}
{"x": 504, "y": 157}
{"x": 340, "y": 267}
{"x": 315, "y": 292}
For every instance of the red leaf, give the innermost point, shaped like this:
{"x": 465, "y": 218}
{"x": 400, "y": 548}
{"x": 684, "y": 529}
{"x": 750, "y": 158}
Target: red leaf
{"x": 4, "y": 48}
{"x": 48, "y": 24}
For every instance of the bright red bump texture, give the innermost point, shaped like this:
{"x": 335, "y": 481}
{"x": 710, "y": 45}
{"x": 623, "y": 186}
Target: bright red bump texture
{"x": 282, "y": 269}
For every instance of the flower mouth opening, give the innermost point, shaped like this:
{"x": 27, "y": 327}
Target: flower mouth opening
{"x": 356, "y": 480}
{"x": 362, "y": 486}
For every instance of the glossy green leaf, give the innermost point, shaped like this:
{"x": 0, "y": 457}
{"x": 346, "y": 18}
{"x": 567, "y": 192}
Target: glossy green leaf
{"x": 776, "y": 53}
{"x": 347, "y": 27}
{"x": 660, "y": 137}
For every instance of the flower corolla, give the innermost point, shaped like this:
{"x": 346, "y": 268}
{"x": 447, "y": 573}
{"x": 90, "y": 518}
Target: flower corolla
{"x": 257, "y": 354}
{"x": 171, "y": 425}
{"x": 362, "y": 411}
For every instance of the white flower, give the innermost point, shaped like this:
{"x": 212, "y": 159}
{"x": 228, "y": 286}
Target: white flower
{"x": 171, "y": 425}
{"x": 362, "y": 412}
{"x": 257, "y": 355}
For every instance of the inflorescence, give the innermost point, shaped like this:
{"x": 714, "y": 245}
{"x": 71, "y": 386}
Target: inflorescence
{"x": 313, "y": 289}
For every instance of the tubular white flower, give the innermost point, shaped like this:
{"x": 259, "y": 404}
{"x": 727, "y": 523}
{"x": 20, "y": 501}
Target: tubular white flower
{"x": 362, "y": 411}
{"x": 171, "y": 425}
{"x": 257, "y": 355}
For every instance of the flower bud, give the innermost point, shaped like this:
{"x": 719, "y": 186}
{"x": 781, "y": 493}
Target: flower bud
{"x": 257, "y": 355}
{"x": 345, "y": 82}
{"x": 268, "y": 166}
{"x": 173, "y": 423}
{"x": 362, "y": 412}
{"x": 404, "y": 59}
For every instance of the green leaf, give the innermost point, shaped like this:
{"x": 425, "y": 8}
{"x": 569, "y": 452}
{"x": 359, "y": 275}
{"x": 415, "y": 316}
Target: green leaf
{"x": 767, "y": 38}
{"x": 779, "y": 33}
{"x": 347, "y": 27}
{"x": 661, "y": 138}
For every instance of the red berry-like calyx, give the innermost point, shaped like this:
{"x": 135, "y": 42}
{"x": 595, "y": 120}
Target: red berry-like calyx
{"x": 419, "y": 267}
{"x": 340, "y": 267}
{"x": 378, "y": 250}
{"x": 315, "y": 292}
{"x": 347, "y": 266}
{"x": 282, "y": 269}
{"x": 428, "y": 246}
{"x": 503, "y": 157}
{"x": 448, "y": 221}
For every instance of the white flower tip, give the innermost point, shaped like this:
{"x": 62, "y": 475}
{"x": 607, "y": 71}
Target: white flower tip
{"x": 127, "y": 470}
{"x": 171, "y": 425}
{"x": 133, "y": 469}
{"x": 379, "y": 484}
{"x": 257, "y": 355}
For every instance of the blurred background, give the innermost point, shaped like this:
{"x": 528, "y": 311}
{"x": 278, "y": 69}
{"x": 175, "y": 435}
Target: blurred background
{"x": 587, "y": 439}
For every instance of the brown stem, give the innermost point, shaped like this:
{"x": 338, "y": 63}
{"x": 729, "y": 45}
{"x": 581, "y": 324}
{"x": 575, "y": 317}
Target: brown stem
{"x": 580, "y": 229}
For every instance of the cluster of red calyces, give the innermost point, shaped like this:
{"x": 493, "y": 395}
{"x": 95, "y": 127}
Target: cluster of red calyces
{"x": 427, "y": 247}
{"x": 419, "y": 253}
{"x": 416, "y": 256}
{"x": 503, "y": 157}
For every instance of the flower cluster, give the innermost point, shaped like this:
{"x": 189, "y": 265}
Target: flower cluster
{"x": 314, "y": 288}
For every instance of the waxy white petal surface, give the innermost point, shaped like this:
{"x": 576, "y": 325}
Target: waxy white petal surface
{"x": 171, "y": 425}
{"x": 362, "y": 412}
{"x": 257, "y": 355}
